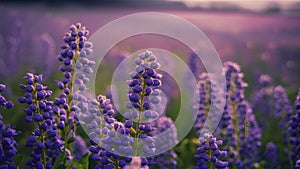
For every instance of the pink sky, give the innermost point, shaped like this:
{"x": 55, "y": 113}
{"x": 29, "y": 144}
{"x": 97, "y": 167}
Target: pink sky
{"x": 247, "y": 4}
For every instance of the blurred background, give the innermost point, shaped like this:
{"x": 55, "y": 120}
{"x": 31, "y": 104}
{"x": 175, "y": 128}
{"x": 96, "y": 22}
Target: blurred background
{"x": 262, "y": 36}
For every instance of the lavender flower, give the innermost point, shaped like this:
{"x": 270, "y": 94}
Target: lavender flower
{"x": 167, "y": 159}
{"x": 282, "y": 104}
{"x": 265, "y": 80}
{"x": 283, "y": 111}
{"x": 261, "y": 101}
{"x": 108, "y": 137}
{"x": 45, "y": 141}
{"x": 102, "y": 152}
{"x": 136, "y": 163}
{"x": 204, "y": 88}
{"x": 144, "y": 96}
{"x": 209, "y": 154}
{"x": 231, "y": 120}
{"x": 294, "y": 134}
{"x": 250, "y": 137}
{"x": 271, "y": 156}
{"x": 8, "y": 145}
{"x": 74, "y": 56}
{"x": 297, "y": 166}
{"x": 79, "y": 148}
{"x": 194, "y": 63}
{"x": 238, "y": 125}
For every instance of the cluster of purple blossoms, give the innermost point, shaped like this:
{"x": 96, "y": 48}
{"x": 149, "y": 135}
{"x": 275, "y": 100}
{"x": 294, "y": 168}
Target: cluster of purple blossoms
{"x": 229, "y": 124}
{"x": 297, "y": 166}
{"x": 250, "y": 137}
{"x": 3, "y": 102}
{"x": 79, "y": 148}
{"x": 209, "y": 154}
{"x": 194, "y": 63}
{"x": 74, "y": 56}
{"x": 165, "y": 125}
{"x": 204, "y": 102}
{"x": 137, "y": 163}
{"x": 272, "y": 103}
{"x": 234, "y": 82}
{"x": 283, "y": 109}
{"x": 144, "y": 96}
{"x": 242, "y": 132}
{"x": 294, "y": 134}
{"x": 109, "y": 138}
{"x": 45, "y": 140}
{"x": 271, "y": 156}
{"x": 8, "y": 145}
{"x": 261, "y": 101}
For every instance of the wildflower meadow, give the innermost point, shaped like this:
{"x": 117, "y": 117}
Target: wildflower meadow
{"x": 67, "y": 110}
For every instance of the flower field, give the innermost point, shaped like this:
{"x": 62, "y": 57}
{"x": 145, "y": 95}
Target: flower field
{"x": 60, "y": 107}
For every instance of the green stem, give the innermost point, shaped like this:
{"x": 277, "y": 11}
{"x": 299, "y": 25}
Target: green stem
{"x": 210, "y": 164}
{"x": 116, "y": 164}
{"x": 41, "y": 138}
{"x": 68, "y": 126}
{"x": 137, "y": 129}
{"x": 235, "y": 117}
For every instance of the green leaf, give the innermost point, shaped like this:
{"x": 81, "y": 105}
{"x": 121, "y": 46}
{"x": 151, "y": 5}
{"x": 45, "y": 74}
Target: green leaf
{"x": 20, "y": 160}
{"x": 85, "y": 160}
{"x": 59, "y": 161}
{"x": 83, "y": 163}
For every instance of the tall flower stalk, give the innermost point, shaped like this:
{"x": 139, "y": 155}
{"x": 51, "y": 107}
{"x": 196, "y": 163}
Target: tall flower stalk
{"x": 74, "y": 57}
{"x": 271, "y": 156}
{"x": 143, "y": 96}
{"x": 294, "y": 134}
{"x": 45, "y": 141}
{"x": 238, "y": 126}
{"x": 209, "y": 155}
{"x": 110, "y": 139}
{"x": 244, "y": 127}
{"x": 167, "y": 159}
{"x": 204, "y": 88}
{"x": 261, "y": 101}
{"x": 8, "y": 145}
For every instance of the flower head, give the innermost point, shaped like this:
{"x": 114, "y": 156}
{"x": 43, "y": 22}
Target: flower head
{"x": 79, "y": 148}
{"x": 8, "y": 145}
{"x": 209, "y": 154}
{"x": 271, "y": 156}
{"x": 166, "y": 159}
{"x": 294, "y": 134}
{"x": 45, "y": 141}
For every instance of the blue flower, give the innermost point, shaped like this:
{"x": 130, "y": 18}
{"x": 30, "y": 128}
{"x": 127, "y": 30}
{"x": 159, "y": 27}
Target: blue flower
{"x": 271, "y": 156}
{"x": 109, "y": 138}
{"x": 294, "y": 134}
{"x": 8, "y": 145}
{"x": 76, "y": 69}
{"x": 261, "y": 101}
{"x": 297, "y": 166}
{"x": 238, "y": 127}
{"x": 144, "y": 96}
{"x": 45, "y": 141}
{"x": 166, "y": 159}
{"x": 204, "y": 100}
{"x": 145, "y": 80}
{"x": 209, "y": 154}
{"x": 79, "y": 148}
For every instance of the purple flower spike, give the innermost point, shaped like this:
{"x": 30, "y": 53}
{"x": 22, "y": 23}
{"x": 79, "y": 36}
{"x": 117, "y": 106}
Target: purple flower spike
{"x": 45, "y": 141}
{"x": 294, "y": 134}
{"x": 8, "y": 145}
{"x": 209, "y": 154}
